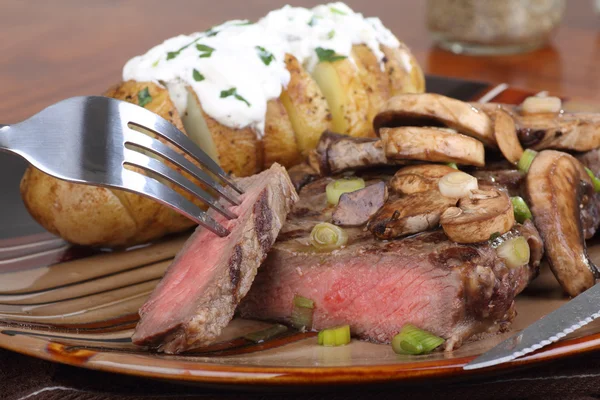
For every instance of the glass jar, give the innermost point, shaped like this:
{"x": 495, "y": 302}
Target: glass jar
{"x": 493, "y": 26}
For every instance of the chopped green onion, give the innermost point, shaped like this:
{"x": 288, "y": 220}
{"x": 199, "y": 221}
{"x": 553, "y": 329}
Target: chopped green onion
{"x": 334, "y": 336}
{"x": 266, "y": 334}
{"x": 326, "y": 236}
{"x": 457, "y": 184}
{"x": 412, "y": 340}
{"x": 265, "y": 55}
{"x": 345, "y": 185}
{"x": 514, "y": 252}
{"x": 331, "y": 34}
{"x": 526, "y": 160}
{"x": 336, "y": 11}
{"x": 595, "y": 180}
{"x": 302, "y": 313}
{"x": 452, "y": 165}
{"x": 205, "y": 51}
{"x": 521, "y": 210}
{"x": 300, "y": 301}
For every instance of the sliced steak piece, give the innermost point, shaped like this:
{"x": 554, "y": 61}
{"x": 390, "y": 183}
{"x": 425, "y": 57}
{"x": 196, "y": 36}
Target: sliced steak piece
{"x": 302, "y": 174}
{"x": 452, "y": 290}
{"x": 198, "y": 295}
{"x": 355, "y": 208}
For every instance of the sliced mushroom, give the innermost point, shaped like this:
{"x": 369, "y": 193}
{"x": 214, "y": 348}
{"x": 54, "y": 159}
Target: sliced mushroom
{"x": 505, "y": 132}
{"x": 431, "y": 144}
{"x": 410, "y": 214}
{"x": 419, "y": 178}
{"x": 337, "y": 153}
{"x": 562, "y": 131}
{"x": 355, "y": 208}
{"x": 554, "y": 190}
{"x": 429, "y": 109}
{"x": 478, "y": 218}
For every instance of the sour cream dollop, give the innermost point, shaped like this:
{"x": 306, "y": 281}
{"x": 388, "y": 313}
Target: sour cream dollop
{"x": 237, "y": 67}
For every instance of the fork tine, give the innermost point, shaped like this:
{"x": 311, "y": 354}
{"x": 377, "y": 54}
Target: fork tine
{"x": 138, "y": 183}
{"x": 146, "y": 119}
{"x": 150, "y": 164}
{"x": 148, "y": 143}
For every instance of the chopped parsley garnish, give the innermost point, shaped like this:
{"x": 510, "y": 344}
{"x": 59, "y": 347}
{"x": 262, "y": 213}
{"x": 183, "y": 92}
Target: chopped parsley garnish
{"x": 155, "y": 63}
{"x": 247, "y": 22}
{"x": 264, "y": 55}
{"x": 205, "y": 51}
{"x": 336, "y": 11}
{"x": 211, "y": 32}
{"x": 327, "y": 55}
{"x": 172, "y": 54}
{"x": 144, "y": 97}
{"x": 331, "y": 34}
{"x": 233, "y": 92}
{"x": 312, "y": 21}
{"x": 198, "y": 77}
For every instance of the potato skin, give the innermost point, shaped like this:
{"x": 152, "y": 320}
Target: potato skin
{"x": 94, "y": 216}
{"x": 374, "y": 79}
{"x": 238, "y": 151}
{"x": 279, "y": 141}
{"x": 400, "y": 79}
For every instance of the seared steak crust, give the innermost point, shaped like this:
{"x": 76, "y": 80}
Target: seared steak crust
{"x": 450, "y": 289}
{"x": 198, "y": 295}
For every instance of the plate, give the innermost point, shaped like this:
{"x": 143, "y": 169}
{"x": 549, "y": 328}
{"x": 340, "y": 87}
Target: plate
{"x": 79, "y": 306}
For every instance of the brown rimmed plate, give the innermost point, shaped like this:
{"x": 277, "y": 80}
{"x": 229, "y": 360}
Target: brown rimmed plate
{"x": 77, "y": 306}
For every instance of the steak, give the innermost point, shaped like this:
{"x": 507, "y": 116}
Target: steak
{"x": 450, "y": 289}
{"x": 198, "y": 295}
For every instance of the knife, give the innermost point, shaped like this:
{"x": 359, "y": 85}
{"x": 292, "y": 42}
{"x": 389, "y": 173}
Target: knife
{"x": 578, "y": 312}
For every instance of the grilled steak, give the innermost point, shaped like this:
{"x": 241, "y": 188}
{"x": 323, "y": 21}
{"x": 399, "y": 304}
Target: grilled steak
{"x": 452, "y": 290}
{"x": 197, "y": 296}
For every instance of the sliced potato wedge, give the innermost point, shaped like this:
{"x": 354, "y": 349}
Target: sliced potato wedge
{"x": 419, "y": 178}
{"x": 238, "y": 151}
{"x": 373, "y": 78}
{"x": 505, "y": 132}
{"x": 306, "y": 106}
{"x": 403, "y": 71}
{"x": 479, "y": 217}
{"x": 346, "y": 95}
{"x": 430, "y": 109}
{"x": 279, "y": 142}
{"x": 431, "y": 144}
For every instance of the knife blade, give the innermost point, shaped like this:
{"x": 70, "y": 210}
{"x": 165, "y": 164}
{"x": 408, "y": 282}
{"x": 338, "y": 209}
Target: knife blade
{"x": 578, "y": 312}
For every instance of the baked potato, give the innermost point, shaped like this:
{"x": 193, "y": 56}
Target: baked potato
{"x": 346, "y": 95}
{"x": 237, "y": 151}
{"x": 374, "y": 80}
{"x": 306, "y": 107}
{"x": 403, "y": 70}
{"x": 95, "y": 216}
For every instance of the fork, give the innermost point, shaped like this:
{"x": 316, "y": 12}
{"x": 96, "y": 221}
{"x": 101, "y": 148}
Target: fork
{"x": 91, "y": 139}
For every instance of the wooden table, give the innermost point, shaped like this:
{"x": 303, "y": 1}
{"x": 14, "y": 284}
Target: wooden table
{"x": 55, "y": 49}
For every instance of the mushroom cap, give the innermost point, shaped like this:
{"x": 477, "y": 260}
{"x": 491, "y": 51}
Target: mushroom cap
{"x": 410, "y": 214}
{"x": 554, "y": 189}
{"x": 431, "y": 144}
{"x": 478, "y": 217}
{"x": 430, "y": 109}
{"x": 505, "y": 132}
{"x": 419, "y": 178}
